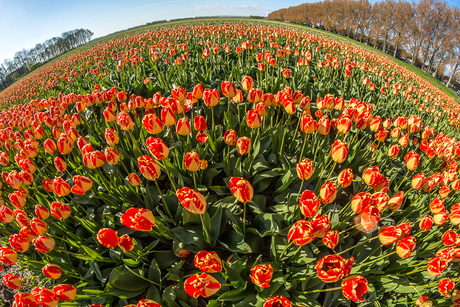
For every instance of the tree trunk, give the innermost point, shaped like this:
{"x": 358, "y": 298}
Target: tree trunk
{"x": 396, "y": 49}
{"x": 453, "y": 73}
{"x": 385, "y": 44}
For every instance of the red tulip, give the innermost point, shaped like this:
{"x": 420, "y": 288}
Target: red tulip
{"x": 261, "y": 275}
{"x": 405, "y": 247}
{"x": 204, "y": 285}
{"x": 412, "y": 160}
{"x": 243, "y": 144}
{"x": 339, "y": 151}
{"x": 19, "y": 243}
{"x": 61, "y": 187}
{"x": 12, "y": 281}
{"x": 332, "y": 268}
{"x": 149, "y": 168}
{"x": 436, "y": 266}
{"x": 328, "y": 192}
{"x": 241, "y": 189}
{"x": 228, "y": 89}
{"x": 304, "y": 169}
{"x": 65, "y": 292}
{"x": 38, "y": 226}
{"x": 208, "y": 262}
{"x": 389, "y": 234}
{"x": 331, "y": 239}
{"x": 152, "y": 123}
{"x": 345, "y": 177}
{"x": 199, "y": 123}
{"x": 108, "y": 237}
{"x": 445, "y": 285}
{"x": 321, "y": 225}
{"x": 143, "y": 303}
{"x": 353, "y": 287}
{"x": 126, "y": 243}
{"x": 230, "y": 137}
{"x": 111, "y": 137}
{"x": 44, "y": 244}
{"x": 301, "y": 233}
{"x": 192, "y": 200}
{"x": 277, "y": 301}
{"x": 192, "y": 161}
{"x": 133, "y": 179}
{"x": 26, "y": 300}
{"x": 60, "y": 210}
{"x": 138, "y": 219}
{"x": 52, "y": 270}
{"x": 309, "y": 203}
{"x": 8, "y": 256}
{"x": 247, "y": 83}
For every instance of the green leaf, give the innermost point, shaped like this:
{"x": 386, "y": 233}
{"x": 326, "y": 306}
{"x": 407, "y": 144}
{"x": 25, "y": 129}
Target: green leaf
{"x": 237, "y": 294}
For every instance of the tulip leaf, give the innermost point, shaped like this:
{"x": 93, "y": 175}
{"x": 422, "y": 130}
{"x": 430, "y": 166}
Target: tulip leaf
{"x": 266, "y": 224}
{"x": 154, "y": 272}
{"x": 237, "y": 294}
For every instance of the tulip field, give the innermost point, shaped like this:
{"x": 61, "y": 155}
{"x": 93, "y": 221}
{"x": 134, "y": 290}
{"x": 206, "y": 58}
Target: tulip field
{"x": 229, "y": 163}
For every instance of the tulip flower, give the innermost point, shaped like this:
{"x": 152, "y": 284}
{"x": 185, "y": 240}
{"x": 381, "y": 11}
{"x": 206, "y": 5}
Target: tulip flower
{"x": 331, "y": 239}
{"x": 143, "y": 303}
{"x": 111, "y": 137}
{"x": 253, "y": 119}
{"x": 38, "y": 226}
{"x": 389, "y": 234}
{"x": 230, "y": 137}
{"x": 405, "y": 247}
{"x": 44, "y": 244}
{"x": 360, "y": 201}
{"x": 199, "y": 123}
{"x": 61, "y": 187}
{"x": 8, "y": 256}
{"x": 228, "y": 89}
{"x": 192, "y": 200}
{"x": 208, "y": 262}
{"x": 12, "y": 281}
{"x": 149, "y": 168}
{"x": 192, "y": 161}
{"x": 247, "y": 83}
{"x": 197, "y": 92}
{"x": 332, "y": 268}
{"x": 304, "y": 169}
{"x": 60, "y": 210}
{"x": 261, "y": 275}
{"x": 243, "y": 145}
{"x": 321, "y": 225}
{"x": 133, "y": 179}
{"x": 345, "y": 177}
{"x": 301, "y": 233}
{"x": 126, "y": 243}
{"x": 65, "y": 292}
{"x": 412, "y": 160}
{"x": 339, "y": 151}
{"x": 328, "y": 192}
{"x": 52, "y": 270}
{"x": 309, "y": 203}
{"x": 396, "y": 201}
{"x": 204, "y": 285}
{"x": 436, "y": 266}
{"x": 445, "y": 285}
{"x": 108, "y": 238}
{"x": 277, "y": 301}
{"x": 353, "y": 287}
{"x": 28, "y": 300}
{"x": 138, "y": 219}
{"x": 241, "y": 189}
{"x": 152, "y": 123}
{"x": 19, "y": 243}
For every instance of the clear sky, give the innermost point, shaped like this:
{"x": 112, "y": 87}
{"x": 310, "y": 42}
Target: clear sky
{"x": 25, "y": 23}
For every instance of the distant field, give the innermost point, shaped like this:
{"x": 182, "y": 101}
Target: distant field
{"x": 410, "y": 67}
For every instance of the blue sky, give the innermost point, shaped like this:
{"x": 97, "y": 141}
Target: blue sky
{"x": 23, "y": 24}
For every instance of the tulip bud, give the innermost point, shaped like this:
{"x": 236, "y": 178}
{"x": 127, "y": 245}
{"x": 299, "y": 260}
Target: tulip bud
{"x": 52, "y": 271}
{"x": 208, "y": 262}
{"x": 133, "y": 179}
{"x": 111, "y": 137}
{"x": 339, "y": 151}
{"x": 65, "y": 292}
{"x": 304, "y": 169}
{"x": 44, "y": 244}
{"x": 328, "y": 192}
{"x": 243, "y": 144}
{"x": 345, "y": 177}
{"x": 261, "y": 275}
{"x": 12, "y": 281}
{"x": 183, "y": 127}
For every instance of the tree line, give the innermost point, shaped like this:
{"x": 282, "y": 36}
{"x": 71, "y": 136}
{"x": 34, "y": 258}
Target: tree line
{"x": 424, "y": 33}
{"x": 25, "y": 60}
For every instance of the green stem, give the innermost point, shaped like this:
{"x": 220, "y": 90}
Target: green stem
{"x": 164, "y": 201}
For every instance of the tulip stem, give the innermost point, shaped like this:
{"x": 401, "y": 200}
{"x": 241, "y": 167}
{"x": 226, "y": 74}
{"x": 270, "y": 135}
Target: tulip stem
{"x": 321, "y": 290}
{"x": 317, "y": 146}
{"x": 206, "y": 232}
{"x": 284, "y": 134}
{"x": 380, "y": 258}
{"x": 295, "y": 254}
{"x": 169, "y": 176}
{"x": 354, "y": 226}
{"x": 356, "y": 245}
{"x": 194, "y": 180}
{"x": 164, "y": 201}
{"x": 284, "y": 250}
{"x": 332, "y": 170}
{"x": 303, "y": 147}
{"x": 300, "y": 191}
{"x": 244, "y": 219}
{"x": 404, "y": 179}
